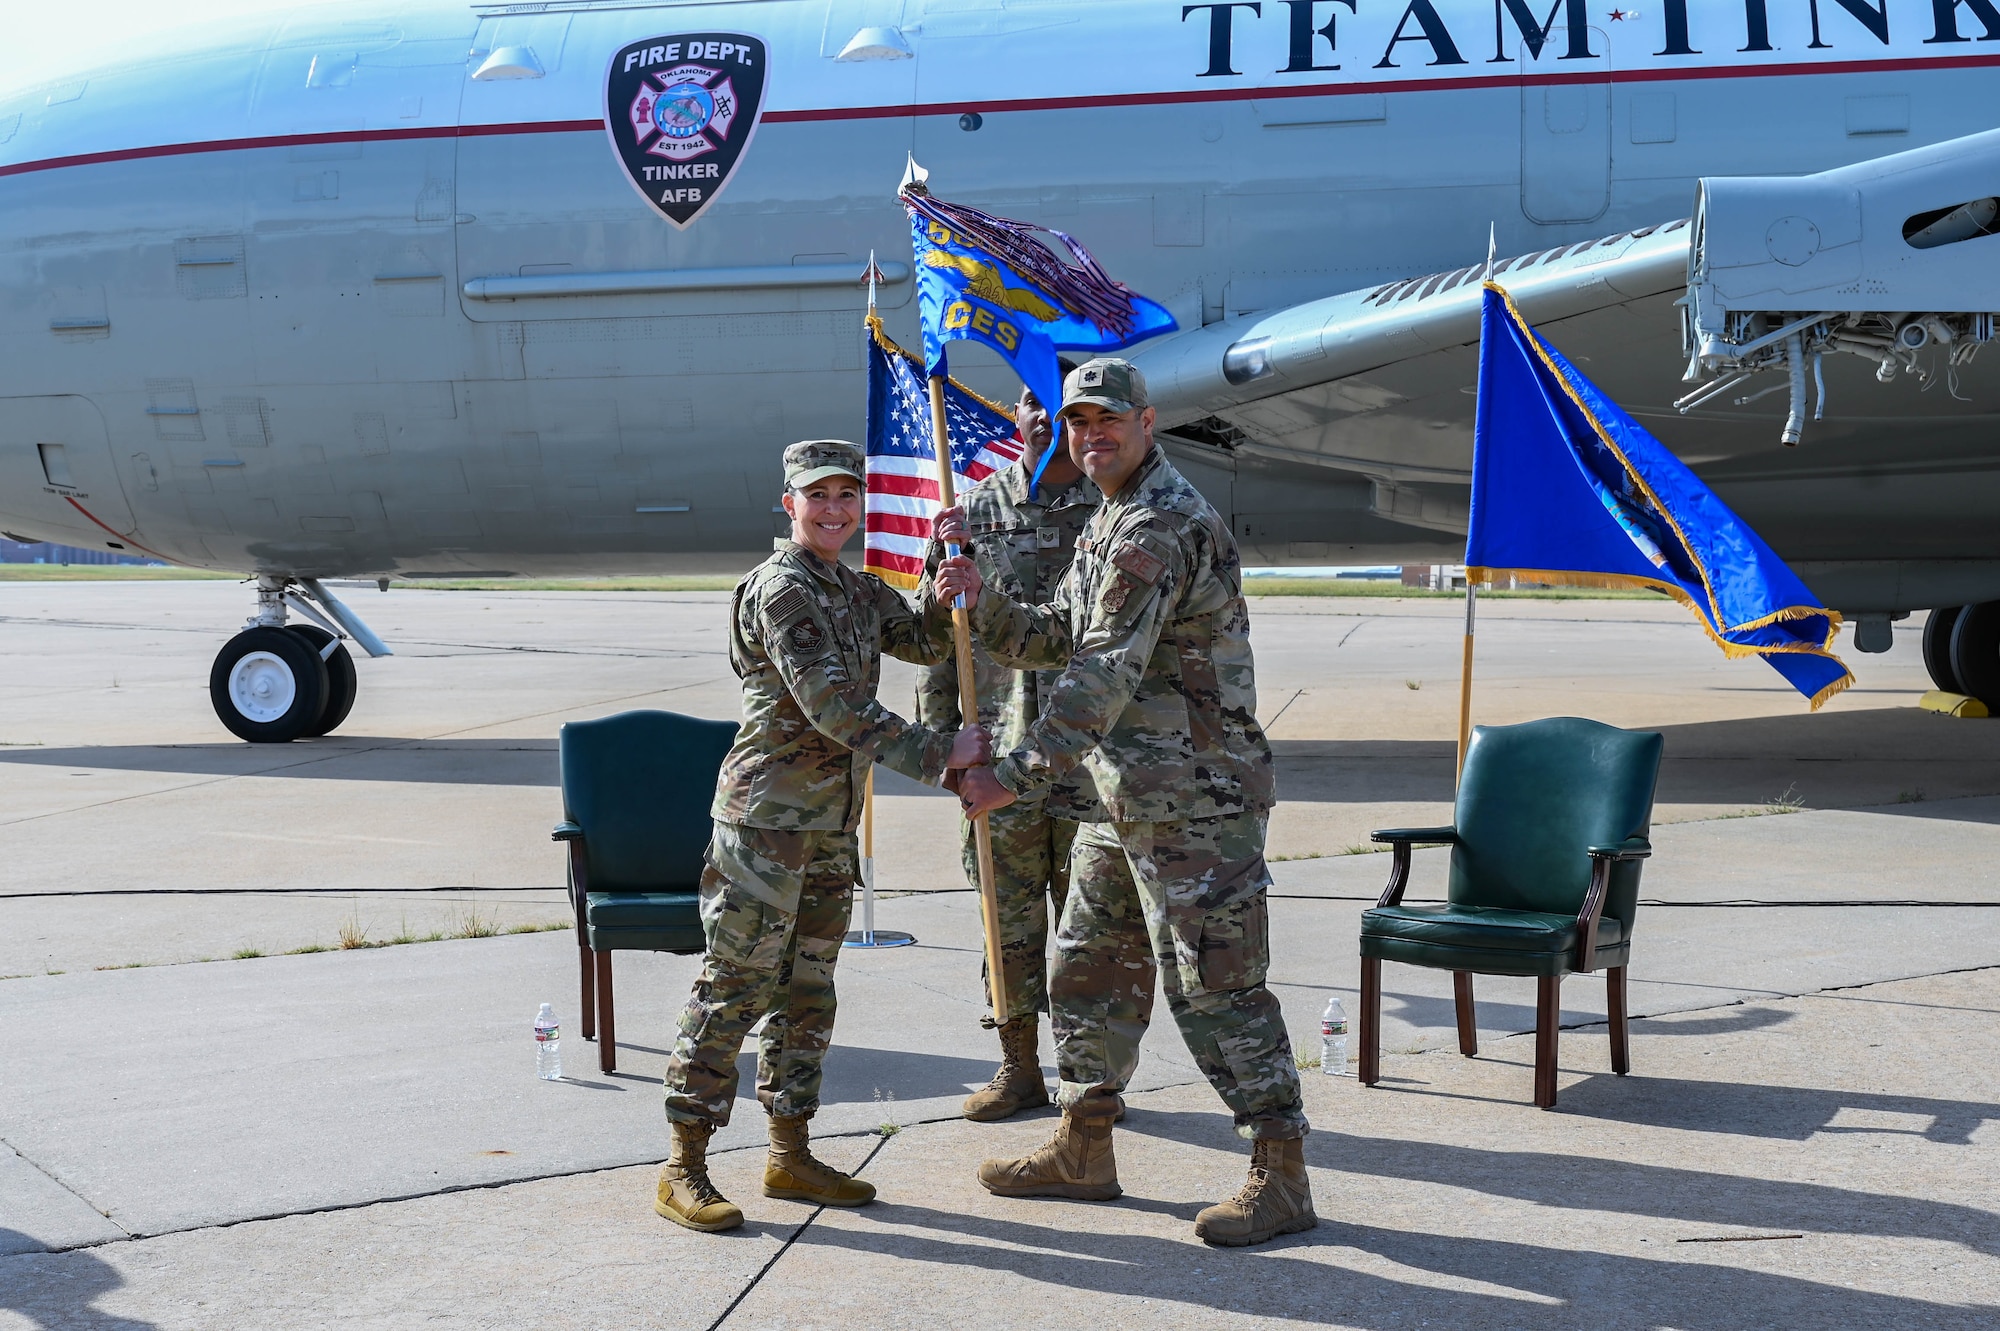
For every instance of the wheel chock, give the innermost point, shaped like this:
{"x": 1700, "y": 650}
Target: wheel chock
{"x": 1952, "y": 704}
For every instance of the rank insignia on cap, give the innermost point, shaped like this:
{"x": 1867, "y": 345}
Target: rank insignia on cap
{"x": 1090, "y": 376}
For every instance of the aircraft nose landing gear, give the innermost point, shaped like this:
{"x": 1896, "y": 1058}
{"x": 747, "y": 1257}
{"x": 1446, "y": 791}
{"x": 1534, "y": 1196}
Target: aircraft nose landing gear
{"x": 276, "y": 682}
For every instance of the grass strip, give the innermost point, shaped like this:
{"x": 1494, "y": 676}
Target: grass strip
{"x": 109, "y": 573}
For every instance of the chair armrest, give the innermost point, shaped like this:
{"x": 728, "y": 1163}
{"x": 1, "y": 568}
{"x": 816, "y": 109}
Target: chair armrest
{"x": 1601, "y": 860}
{"x": 579, "y": 875}
{"x": 1400, "y": 840}
{"x": 1428, "y": 836}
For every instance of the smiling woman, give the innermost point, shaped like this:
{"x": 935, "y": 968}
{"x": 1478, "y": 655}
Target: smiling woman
{"x": 825, "y": 513}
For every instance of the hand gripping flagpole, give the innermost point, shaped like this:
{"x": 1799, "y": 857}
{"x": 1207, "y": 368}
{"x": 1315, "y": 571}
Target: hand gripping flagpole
{"x": 968, "y": 710}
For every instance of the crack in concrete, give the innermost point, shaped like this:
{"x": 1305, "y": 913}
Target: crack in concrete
{"x": 786, "y": 1246}
{"x": 43, "y": 1170}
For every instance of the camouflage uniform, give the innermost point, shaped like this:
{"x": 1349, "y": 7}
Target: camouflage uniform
{"x": 1158, "y": 704}
{"x": 1023, "y": 547}
{"x": 806, "y": 638}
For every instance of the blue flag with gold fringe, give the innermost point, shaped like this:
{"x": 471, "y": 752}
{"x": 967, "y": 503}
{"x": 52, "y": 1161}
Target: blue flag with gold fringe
{"x": 1567, "y": 488}
{"x": 998, "y": 282}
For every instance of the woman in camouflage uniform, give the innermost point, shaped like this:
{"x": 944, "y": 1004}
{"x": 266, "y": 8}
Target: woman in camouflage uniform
{"x": 806, "y": 638}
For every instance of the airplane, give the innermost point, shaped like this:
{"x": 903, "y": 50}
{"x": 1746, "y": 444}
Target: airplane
{"x": 424, "y": 289}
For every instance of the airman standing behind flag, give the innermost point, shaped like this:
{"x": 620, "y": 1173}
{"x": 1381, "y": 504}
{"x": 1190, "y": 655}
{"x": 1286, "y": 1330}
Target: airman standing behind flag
{"x": 806, "y": 638}
{"x": 1023, "y": 538}
{"x": 1158, "y": 698}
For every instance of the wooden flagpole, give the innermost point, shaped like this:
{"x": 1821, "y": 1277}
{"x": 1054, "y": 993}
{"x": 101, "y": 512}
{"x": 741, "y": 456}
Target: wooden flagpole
{"x": 968, "y": 711}
{"x": 1471, "y": 589}
{"x": 1465, "y": 674}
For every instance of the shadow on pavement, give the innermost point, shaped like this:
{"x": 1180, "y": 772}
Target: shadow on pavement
{"x": 1542, "y": 1286}
{"x": 484, "y": 762}
{"x": 1867, "y": 758}
{"x": 62, "y": 1301}
{"x": 1786, "y": 1113}
{"x": 1597, "y": 1183}
{"x": 1835, "y": 760}
{"x": 1433, "y": 1013}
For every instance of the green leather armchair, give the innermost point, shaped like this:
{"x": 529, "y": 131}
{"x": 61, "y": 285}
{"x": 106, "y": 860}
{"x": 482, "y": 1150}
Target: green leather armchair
{"x": 1547, "y": 837}
{"x": 636, "y": 792}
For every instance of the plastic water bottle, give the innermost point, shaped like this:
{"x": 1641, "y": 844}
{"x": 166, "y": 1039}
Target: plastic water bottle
{"x": 1333, "y": 1039}
{"x": 548, "y": 1045}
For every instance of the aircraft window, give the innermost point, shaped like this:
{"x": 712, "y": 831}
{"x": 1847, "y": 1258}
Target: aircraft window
{"x": 55, "y": 464}
{"x": 332, "y": 71}
{"x": 1948, "y": 226}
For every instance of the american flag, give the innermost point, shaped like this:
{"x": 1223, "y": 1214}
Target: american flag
{"x": 902, "y": 469}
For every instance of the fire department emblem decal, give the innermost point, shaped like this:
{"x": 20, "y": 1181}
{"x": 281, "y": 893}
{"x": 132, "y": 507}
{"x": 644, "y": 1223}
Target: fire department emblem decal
{"x": 680, "y": 111}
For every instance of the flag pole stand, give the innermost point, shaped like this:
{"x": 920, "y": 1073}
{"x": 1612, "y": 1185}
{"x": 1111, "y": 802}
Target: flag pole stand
{"x": 868, "y": 935}
{"x": 968, "y": 711}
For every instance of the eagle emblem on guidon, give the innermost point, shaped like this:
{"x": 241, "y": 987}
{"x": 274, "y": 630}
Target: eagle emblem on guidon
{"x": 680, "y": 110}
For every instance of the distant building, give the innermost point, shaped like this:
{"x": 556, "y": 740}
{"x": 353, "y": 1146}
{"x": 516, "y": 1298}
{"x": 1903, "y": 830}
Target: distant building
{"x": 48, "y": 552}
{"x": 1451, "y": 577}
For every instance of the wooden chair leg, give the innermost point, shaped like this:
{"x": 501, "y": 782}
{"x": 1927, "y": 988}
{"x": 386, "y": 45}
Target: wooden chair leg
{"x": 607, "y": 1039}
{"x": 1370, "y": 1033}
{"x": 1621, "y": 1053}
{"x": 587, "y": 999}
{"x": 1548, "y": 990}
{"x": 1461, "y": 997}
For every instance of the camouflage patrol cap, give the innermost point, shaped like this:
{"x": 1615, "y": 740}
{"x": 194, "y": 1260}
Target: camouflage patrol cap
{"x": 1107, "y": 382}
{"x": 812, "y": 460}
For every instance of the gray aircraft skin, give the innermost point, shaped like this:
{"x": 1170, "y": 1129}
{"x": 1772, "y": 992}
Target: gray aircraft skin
{"x": 367, "y": 292}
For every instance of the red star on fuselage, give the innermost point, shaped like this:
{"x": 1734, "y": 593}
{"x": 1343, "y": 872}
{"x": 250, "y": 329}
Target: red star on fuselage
{"x": 1617, "y": 16}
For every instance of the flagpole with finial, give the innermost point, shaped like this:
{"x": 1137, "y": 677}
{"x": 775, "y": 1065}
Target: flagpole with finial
{"x": 867, "y": 935}
{"x": 1471, "y": 588}
{"x": 968, "y": 684}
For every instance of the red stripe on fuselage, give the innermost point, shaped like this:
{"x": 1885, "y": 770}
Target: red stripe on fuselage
{"x": 992, "y": 107}
{"x": 119, "y": 534}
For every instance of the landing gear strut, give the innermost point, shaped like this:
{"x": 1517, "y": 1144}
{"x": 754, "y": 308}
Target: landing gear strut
{"x": 276, "y": 682}
{"x": 1962, "y": 650}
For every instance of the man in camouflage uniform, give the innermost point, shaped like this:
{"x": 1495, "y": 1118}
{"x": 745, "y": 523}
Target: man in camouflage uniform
{"x": 1023, "y": 545}
{"x": 806, "y": 638}
{"x": 1158, "y": 700}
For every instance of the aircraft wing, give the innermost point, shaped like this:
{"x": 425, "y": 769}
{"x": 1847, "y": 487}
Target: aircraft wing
{"x": 1378, "y": 383}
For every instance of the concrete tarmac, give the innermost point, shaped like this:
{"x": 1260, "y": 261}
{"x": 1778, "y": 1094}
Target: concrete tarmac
{"x": 354, "y": 1137}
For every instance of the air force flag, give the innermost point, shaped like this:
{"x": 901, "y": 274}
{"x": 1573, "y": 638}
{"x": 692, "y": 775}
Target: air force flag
{"x": 1568, "y": 488}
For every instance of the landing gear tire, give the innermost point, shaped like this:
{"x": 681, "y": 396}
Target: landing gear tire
{"x": 1975, "y": 652}
{"x": 1937, "y": 647}
{"x": 341, "y": 684}
{"x": 268, "y": 686}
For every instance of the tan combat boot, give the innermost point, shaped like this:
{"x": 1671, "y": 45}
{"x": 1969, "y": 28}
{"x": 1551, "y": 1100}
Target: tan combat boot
{"x": 1077, "y": 1163}
{"x": 686, "y": 1197}
{"x": 792, "y": 1172}
{"x": 1018, "y": 1084}
{"x": 1276, "y": 1199}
